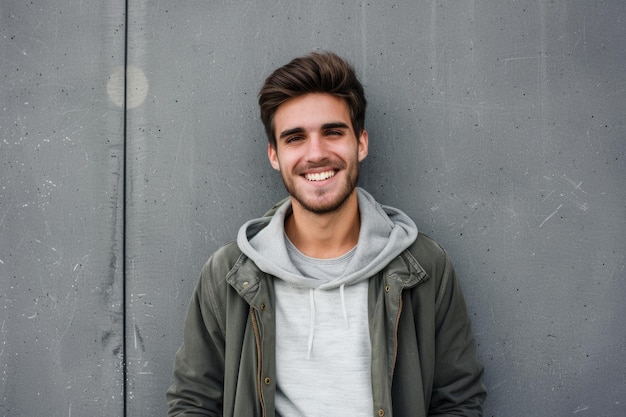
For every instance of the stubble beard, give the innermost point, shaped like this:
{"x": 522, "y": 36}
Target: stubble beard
{"x": 326, "y": 207}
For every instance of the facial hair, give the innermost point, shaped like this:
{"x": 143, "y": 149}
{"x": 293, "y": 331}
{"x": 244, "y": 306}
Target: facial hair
{"x": 345, "y": 191}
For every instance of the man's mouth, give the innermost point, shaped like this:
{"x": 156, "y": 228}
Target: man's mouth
{"x": 319, "y": 176}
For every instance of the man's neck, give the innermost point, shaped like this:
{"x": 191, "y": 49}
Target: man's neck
{"x": 325, "y": 236}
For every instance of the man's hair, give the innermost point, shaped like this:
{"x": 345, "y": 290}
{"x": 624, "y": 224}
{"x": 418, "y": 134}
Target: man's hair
{"x": 317, "y": 72}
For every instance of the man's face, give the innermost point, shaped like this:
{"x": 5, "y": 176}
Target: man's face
{"x": 317, "y": 151}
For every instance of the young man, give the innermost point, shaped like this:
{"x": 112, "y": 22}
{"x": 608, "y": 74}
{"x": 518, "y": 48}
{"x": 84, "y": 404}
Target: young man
{"x": 331, "y": 304}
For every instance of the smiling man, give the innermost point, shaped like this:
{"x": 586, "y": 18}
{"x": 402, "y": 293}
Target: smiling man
{"x": 331, "y": 303}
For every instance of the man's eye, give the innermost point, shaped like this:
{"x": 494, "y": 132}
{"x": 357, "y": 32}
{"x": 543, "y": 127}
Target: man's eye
{"x": 293, "y": 139}
{"x": 334, "y": 133}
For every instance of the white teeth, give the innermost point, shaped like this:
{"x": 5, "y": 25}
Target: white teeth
{"x": 320, "y": 176}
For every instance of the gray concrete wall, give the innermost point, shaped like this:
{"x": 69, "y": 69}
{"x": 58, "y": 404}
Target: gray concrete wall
{"x": 61, "y": 209}
{"x": 498, "y": 126}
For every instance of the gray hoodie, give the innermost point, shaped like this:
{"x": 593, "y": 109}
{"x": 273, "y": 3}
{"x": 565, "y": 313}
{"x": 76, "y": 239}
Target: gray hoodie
{"x": 385, "y": 233}
{"x": 323, "y": 352}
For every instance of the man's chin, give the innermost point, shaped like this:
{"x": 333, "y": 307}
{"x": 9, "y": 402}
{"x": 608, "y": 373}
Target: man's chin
{"x": 321, "y": 205}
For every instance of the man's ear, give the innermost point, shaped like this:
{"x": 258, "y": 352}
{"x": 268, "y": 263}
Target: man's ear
{"x": 363, "y": 145}
{"x": 273, "y": 156}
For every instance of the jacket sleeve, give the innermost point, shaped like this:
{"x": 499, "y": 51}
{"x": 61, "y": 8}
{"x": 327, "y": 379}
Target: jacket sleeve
{"x": 457, "y": 386}
{"x": 199, "y": 363}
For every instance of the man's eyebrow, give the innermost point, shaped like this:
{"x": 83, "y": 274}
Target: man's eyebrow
{"x": 288, "y": 132}
{"x": 325, "y": 126}
{"x": 335, "y": 125}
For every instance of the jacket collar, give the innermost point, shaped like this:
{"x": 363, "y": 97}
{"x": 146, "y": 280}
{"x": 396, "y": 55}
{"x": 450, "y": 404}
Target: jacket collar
{"x": 406, "y": 270}
{"x": 245, "y": 277}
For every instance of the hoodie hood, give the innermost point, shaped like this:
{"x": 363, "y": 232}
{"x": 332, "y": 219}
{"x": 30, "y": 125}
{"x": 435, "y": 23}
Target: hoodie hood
{"x": 385, "y": 232}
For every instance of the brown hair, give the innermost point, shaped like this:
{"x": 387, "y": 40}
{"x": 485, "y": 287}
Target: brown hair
{"x": 317, "y": 72}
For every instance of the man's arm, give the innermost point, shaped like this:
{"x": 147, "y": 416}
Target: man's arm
{"x": 199, "y": 362}
{"x": 458, "y": 389}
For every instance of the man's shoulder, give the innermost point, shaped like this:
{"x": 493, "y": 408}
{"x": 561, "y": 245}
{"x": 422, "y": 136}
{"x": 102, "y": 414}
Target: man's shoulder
{"x": 222, "y": 260}
{"x": 428, "y": 253}
{"x": 425, "y": 245}
{"x": 229, "y": 250}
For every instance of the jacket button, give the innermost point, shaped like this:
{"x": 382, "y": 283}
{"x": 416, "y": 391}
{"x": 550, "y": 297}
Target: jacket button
{"x": 267, "y": 381}
{"x": 262, "y": 306}
{"x": 387, "y": 289}
{"x": 381, "y": 412}
{"x": 245, "y": 284}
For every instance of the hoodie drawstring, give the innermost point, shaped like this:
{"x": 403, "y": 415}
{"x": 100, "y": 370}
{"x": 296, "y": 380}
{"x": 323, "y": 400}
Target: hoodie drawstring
{"x": 311, "y": 323}
{"x": 312, "y": 316}
{"x": 343, "y": 306}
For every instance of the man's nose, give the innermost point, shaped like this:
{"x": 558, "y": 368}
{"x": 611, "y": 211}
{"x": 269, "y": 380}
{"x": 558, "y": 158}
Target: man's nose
{"x": 316, "y": 148}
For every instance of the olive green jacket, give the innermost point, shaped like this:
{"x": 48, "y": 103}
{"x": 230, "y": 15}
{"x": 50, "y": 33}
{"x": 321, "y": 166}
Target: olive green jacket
{"x": 423, "y": 352}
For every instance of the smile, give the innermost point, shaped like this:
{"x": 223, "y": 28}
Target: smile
{"x": 320, "y": 176}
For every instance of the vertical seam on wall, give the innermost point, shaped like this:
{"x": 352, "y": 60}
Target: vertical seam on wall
{"x": 124, "y": 218}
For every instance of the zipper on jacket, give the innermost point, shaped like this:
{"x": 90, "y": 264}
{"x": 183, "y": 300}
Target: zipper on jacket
{"x": 257, "y": 338}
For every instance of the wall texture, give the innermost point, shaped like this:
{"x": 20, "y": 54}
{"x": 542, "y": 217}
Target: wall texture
{"x": 130, "y": 149}
{"x": 61, "y": 209}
